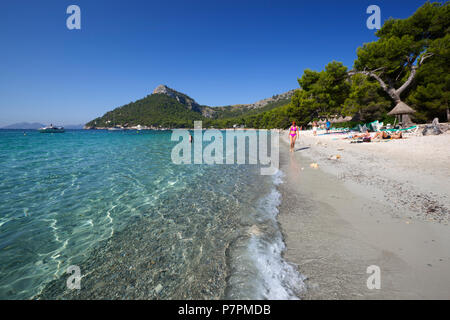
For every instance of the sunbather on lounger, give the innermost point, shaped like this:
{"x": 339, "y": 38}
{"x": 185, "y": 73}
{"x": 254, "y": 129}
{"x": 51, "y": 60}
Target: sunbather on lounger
{"x": 356, "y": 136}
{"x": 385, "y": 135}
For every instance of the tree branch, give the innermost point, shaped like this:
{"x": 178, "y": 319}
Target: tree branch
{"x": 389, "y": 90}
{"x": 412, "y": 74}
{"x": 425, "y": 56}
{"x": 408, "y": 81}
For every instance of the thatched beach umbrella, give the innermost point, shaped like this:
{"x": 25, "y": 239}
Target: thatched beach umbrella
{"x": 340, "y": 119}
{"x": 348, "y": 118}
{"x": 336, "y": 119}
{"x": 402, "y": 110}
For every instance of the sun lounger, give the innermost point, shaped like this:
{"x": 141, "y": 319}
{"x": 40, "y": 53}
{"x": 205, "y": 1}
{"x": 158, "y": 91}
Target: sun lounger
{"x": 375, "y": 125}
{"x": 409, "y": 129}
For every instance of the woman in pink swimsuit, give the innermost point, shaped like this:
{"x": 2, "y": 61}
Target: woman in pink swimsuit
{"x": 293, "y": 133}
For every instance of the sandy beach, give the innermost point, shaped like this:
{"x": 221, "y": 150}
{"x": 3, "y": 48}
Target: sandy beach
{"x": 380, "y": 203}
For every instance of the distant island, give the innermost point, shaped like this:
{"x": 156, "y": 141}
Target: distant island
{"x": 37, "y": 125}
{"x": 24, "y": 126}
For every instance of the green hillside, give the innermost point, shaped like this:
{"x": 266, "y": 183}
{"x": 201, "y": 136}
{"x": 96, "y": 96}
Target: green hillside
{"x": 229, "y": 112}
{"x": 169, "y": 108}
{"x": 153, "y": 110}
{"x": 278, "y": 115}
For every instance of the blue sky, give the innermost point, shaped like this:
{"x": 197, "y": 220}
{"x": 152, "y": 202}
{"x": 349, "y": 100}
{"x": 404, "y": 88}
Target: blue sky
{"x": 218, "y": 52}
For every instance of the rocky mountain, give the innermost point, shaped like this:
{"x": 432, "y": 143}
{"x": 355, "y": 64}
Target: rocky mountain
{"x": 253, "y": 108}
{"x": 169, "y": 108}
{"x": 262, "y": 103}
{"x": 180, "y": 97}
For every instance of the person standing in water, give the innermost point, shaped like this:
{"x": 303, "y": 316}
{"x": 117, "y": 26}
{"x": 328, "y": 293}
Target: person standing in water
{"x": 314, "y": 126}
{"x": 293, "y": 134}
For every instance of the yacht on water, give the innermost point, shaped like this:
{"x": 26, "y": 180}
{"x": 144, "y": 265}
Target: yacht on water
{"x": 51, "y": 129}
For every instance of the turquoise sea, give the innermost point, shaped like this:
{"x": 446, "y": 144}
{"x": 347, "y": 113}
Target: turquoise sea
{"x": 137, "y": 225}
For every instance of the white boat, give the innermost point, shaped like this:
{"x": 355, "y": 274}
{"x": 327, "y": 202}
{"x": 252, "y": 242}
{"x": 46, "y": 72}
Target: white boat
{"x": 51, "y": 129}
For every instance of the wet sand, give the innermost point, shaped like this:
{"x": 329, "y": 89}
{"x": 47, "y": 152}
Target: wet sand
{"x": 346, "y": 215}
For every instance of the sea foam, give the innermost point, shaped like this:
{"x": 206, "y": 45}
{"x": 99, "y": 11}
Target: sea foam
{"x": 278, "y": 278}
{"x": 259, "y": 270}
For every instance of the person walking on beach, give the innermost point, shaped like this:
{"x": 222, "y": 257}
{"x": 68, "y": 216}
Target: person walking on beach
{"x": 314, "y": 125}
{"x": 293, "y": 134}
{"x": 328, "y": 125}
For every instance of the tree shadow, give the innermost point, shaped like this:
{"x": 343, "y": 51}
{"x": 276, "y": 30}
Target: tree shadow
{"x": 300, "y": 149}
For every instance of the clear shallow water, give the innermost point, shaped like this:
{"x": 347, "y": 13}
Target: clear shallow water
{"x": 136, "y": 224}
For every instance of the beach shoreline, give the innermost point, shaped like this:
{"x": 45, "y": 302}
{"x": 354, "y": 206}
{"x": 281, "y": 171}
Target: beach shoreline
{"x": 382, "y": 204}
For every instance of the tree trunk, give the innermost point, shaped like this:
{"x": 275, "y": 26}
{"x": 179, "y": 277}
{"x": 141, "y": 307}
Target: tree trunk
{"x": 394, "y": 94}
